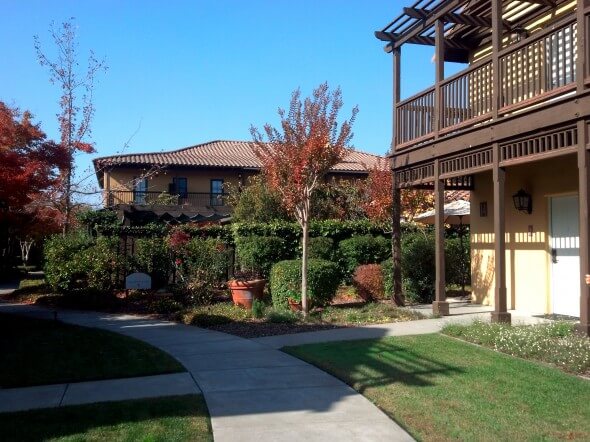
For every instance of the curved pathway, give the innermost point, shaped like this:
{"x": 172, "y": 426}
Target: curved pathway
{"x": 254, "y": 392}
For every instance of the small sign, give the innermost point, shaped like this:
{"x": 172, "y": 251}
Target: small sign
{"x": 138, "y": 281}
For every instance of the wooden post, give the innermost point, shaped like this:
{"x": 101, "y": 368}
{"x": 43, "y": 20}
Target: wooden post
{"x": 107, "y": 187}
{"x": 582, "y": 68}
{"x": 439, "y": 76}
{"x": 397, "y": 56}
{"x": 497, "y": 32}
{"x": 584, "y": 201}
{"x": 396, "y": 246}
{"x": 500, "y": 313}
{"x": 440, "y": 306}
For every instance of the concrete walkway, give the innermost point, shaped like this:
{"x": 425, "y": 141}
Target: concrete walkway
{"x": 460, "y": 312}
{"x": 253, "y": 392}
{"x": 59, "y": 395}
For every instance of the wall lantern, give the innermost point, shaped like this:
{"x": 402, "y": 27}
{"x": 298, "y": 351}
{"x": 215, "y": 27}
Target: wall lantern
{"x": 523, "y": 201}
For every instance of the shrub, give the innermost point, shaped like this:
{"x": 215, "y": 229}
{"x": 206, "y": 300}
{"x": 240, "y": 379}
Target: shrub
{"x": 201, "y": 266}
{"x": 320, "y": 247}
{"x": 418, "y": 271}
{"x": 258, "y": 308}
{"x": 281, "y": 317}
{"x": 285, "y": 282}
{"x": 152, "y": 256}
{"x": 387, "y": 272}
{"x": 74, "y": 264}
{"x": 365, "y": 249}
{"x": 457, "y": 261}
{"x": 257, "y": 254}
{"x": 101, "y": 264}
{"x": 368, "y": 282}
{"x": 62, "y": 266}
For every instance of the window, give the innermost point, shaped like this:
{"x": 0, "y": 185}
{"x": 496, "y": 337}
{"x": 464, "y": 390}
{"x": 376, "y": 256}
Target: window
{"x": 140, "y": 187}
{"x": 217, "y": 192}
{"x": 180, "y": 187}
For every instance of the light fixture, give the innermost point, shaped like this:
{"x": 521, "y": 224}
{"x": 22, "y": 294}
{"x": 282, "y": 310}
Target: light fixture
{"x": 523, "y": 201}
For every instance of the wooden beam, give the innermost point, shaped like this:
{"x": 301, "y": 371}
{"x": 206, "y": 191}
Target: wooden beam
{"x": 500, "y": 313}
{"x": 425, "y": 40}
{"x": 421, "y": 26}
{"x": 451, "y": 17}
{"x": 582, "y": 42}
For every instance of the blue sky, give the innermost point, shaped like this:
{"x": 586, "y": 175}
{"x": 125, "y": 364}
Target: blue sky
{"x": 186, "y": 72}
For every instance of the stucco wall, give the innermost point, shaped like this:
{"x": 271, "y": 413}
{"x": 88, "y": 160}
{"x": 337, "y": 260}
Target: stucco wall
{"x": 527, "y": 236}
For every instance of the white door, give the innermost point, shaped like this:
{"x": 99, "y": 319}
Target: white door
{"x": 565, "y": 255}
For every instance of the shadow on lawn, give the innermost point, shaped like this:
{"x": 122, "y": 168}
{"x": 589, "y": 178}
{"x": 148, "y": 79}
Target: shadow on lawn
{"x": 52, "y": 423}
{"x": 369, "y": 363}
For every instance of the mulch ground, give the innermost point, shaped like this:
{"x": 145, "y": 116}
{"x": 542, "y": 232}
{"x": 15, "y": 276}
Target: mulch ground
{"x": 261, "y": 329}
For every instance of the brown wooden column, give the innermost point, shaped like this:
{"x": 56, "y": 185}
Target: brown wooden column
{"x": 584, "y": 198}
{"x": 497, "y": 31}
{"x": 583, "y": 40}
{"x": 107, "y": 187}
{"x": 397, "y": 61}
{"x": 396, "y": 245}
{"x": 439, "y": 76}
{"x": 500, "y": 313}
{"x": 440, "y": 306}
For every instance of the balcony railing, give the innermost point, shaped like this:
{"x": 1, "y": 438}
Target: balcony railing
{"x": 531, "y": 72}
{"x": 151, "y": 198}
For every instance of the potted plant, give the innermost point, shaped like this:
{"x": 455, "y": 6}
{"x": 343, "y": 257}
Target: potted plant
{"x": 245, "y": 287}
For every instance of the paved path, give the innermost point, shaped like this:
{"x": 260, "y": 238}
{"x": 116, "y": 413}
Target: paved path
{"x": 461, "y": 312}
{"x": 253, "y": 392}
{"x": 58, "y": 395}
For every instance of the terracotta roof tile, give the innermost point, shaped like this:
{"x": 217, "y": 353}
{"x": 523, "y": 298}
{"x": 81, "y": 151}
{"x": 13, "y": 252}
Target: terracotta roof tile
{"x": 234, "y": 154}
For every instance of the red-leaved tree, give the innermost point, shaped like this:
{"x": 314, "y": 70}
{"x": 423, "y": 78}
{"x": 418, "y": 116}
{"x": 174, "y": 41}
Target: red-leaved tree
{"x": 296, "y": 157}
{"x": 29, "y": 162}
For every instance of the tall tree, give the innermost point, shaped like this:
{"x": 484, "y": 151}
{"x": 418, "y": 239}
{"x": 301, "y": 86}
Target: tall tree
{"x": 76, "y": 107}
{"x": 296, "y": 157}
{"x": 29, "y": 162}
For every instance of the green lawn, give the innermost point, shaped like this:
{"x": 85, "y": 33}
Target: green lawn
{"x": 439, "y": 388}
{"x": 36, "y": 352}
{"x": 179, "y": 418}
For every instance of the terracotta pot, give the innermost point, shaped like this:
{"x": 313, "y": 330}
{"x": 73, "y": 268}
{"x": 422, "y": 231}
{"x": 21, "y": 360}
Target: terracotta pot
{"x": 244, "y": 292}
{"x": 295, "y": 306}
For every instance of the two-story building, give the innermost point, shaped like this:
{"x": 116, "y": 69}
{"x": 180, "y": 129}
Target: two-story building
{"x": 512, "y": 127}
{"x": 191, "y": 183}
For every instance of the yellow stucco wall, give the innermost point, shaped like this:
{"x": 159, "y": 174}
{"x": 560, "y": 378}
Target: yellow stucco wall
{"x": 197, "y": 180}
{"x": 527, "y": 254}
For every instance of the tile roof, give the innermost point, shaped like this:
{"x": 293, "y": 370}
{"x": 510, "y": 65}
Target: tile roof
{"x": 231, "y": 154}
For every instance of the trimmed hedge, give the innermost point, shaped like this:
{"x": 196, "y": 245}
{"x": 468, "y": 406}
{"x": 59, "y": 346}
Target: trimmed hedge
{"x": 323, "y": 279}
{"x": 359, "y": 250}
{"x": 258, "y": 253}
{"x": 320, "y": 247}
{"x": 152, "y": 256}
{"x": 74, "y": 264}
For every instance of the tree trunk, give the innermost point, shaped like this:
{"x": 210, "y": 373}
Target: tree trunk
{"x": 304, "y": 307}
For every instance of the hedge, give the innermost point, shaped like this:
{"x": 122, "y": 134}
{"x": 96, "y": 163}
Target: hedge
{"x": 320, "y": 247}
{"x": 323, "y": 280}
{"x": 359, "y": 250}
{"x": 258, "y": 253}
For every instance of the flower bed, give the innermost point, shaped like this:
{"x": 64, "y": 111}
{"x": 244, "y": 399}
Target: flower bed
{"x": 555, "y": 343}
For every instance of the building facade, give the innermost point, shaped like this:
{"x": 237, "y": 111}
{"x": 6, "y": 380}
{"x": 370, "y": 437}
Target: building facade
{"x": 513, "y": 128}
{"x": 191, "y": 183}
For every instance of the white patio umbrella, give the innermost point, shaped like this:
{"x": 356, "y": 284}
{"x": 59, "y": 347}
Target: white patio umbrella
{"x": 456, "y": 213}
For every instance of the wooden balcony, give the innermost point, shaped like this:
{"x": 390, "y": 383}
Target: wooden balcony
{"x": 190, "y": 200}
{"x": 533, "y": 71}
